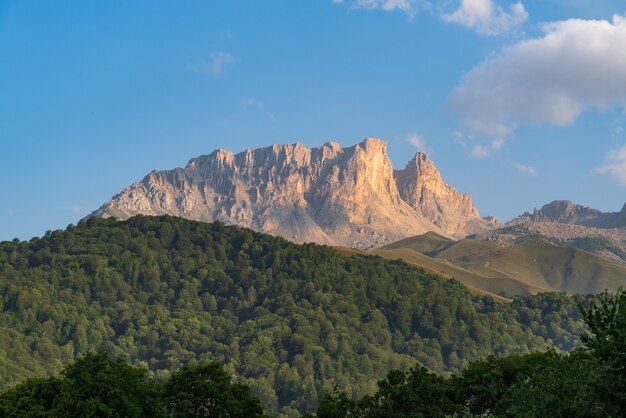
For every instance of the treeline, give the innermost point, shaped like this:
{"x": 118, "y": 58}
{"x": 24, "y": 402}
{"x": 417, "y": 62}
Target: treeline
{"x": 293, "y": 321}
{"x": 97, "y": 386}
{"x": 583, "y": 383}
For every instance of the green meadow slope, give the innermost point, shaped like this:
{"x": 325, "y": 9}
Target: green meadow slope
{"x": 527, "y": 268}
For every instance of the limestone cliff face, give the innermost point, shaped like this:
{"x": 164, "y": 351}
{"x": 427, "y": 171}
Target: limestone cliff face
{"x": 422, "y": 187}
{"x": 330, "y": 195}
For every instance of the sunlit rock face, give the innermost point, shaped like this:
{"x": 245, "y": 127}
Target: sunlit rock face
{"x": 330, "y": 195}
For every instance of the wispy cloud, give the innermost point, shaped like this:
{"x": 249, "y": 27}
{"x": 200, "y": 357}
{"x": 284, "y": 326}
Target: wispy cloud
{"x": 416, "y": 141}
{"x": 484, "y": 16}
{"x": 488, "y": 18}
{"x": 250, "y": 102}
{"x": 485, "y": 150}
{"x": 215, "y": 66}
{"x": 526, "y": 169}
{"x": 218, "y": 61}
{"x": 575, "y": 65}
{"x": 476, "y": 147}
{"x": 615, "y": 165}
{"x": 409, "y": 7}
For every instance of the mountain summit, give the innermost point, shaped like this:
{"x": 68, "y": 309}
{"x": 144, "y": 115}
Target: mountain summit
{"x": 330, "y": 195}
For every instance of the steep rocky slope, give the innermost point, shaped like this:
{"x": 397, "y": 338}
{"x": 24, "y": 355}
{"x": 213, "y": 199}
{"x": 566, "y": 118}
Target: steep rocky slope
{"x": 331, "y": 195}
{"x": 422, "y": 187}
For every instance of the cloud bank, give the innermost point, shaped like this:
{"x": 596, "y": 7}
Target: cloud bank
{"x": 576, "y": 64}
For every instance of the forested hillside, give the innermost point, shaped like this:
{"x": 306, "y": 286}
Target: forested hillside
{"x": 291, "y": 320}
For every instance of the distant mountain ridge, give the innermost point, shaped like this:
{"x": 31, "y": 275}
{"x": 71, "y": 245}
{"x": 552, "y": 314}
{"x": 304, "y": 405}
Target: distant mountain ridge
{"x": 567, "y": 212}
{"x": 568, "y": 225}
{"x": 329, "y": 194}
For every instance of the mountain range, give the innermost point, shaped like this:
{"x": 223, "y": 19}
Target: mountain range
{"x": 353, "y": 197}
{"x": 567, "y": 212}
{"x": 330, "y": 195}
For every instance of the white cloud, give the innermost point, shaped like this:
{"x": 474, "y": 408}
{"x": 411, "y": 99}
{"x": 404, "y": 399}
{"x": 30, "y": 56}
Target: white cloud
{"x": 484, "y": 16}
{"x": 526, "y": 169}
{"x": 250, "y": 102}
{"x": 410, "y": 7}
{"x": 417, "y": 141}
{"x": 615, "y": 164}
{"x": 216, "y": 65}
{"x": 218, "y": 61}
{"x": 474, "y": 149}
{"x": 575, "y": 65}
{"x": 488, "y": 18}
{"x": 481, "y": 151}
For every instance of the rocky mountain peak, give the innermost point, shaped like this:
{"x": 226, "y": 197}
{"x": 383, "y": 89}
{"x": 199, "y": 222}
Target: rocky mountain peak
{"x": 567, "y": 212}
{"x": 420, "y": 184}
{"x": 332, "y": 195}
{"x": 373, "y": 145}
{"x": 563, "y": 211}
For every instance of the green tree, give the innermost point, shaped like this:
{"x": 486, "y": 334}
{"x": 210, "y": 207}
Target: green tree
{"x": 206, "y": 390}
{"x": 337, "y": 405}
{"x": 534, "y": 385}
{"x": 32, "y": 398}
{"x": 94, "y": 386}
{"x": 605, "y": 316}
{"x": 417, "y": 393}
{"x": 97, "y": 385}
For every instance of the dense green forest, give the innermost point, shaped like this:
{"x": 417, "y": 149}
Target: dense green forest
{"x": 589, "y": 382}
{"x": 291, "y": 321}
{"x": 584, "y": 383}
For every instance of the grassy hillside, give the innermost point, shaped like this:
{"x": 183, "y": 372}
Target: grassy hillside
{"x": 429, "y": 243}
{"x": 496, "y": 286}
{"x": 291, "y": 320}
{"x": 527, "y": 268}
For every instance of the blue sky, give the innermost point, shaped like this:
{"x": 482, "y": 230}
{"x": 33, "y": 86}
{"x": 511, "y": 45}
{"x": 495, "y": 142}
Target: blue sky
{"x": 517, "y": 103}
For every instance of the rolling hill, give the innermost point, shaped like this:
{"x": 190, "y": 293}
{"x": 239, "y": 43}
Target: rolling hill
{"x": 533, "y": 266}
